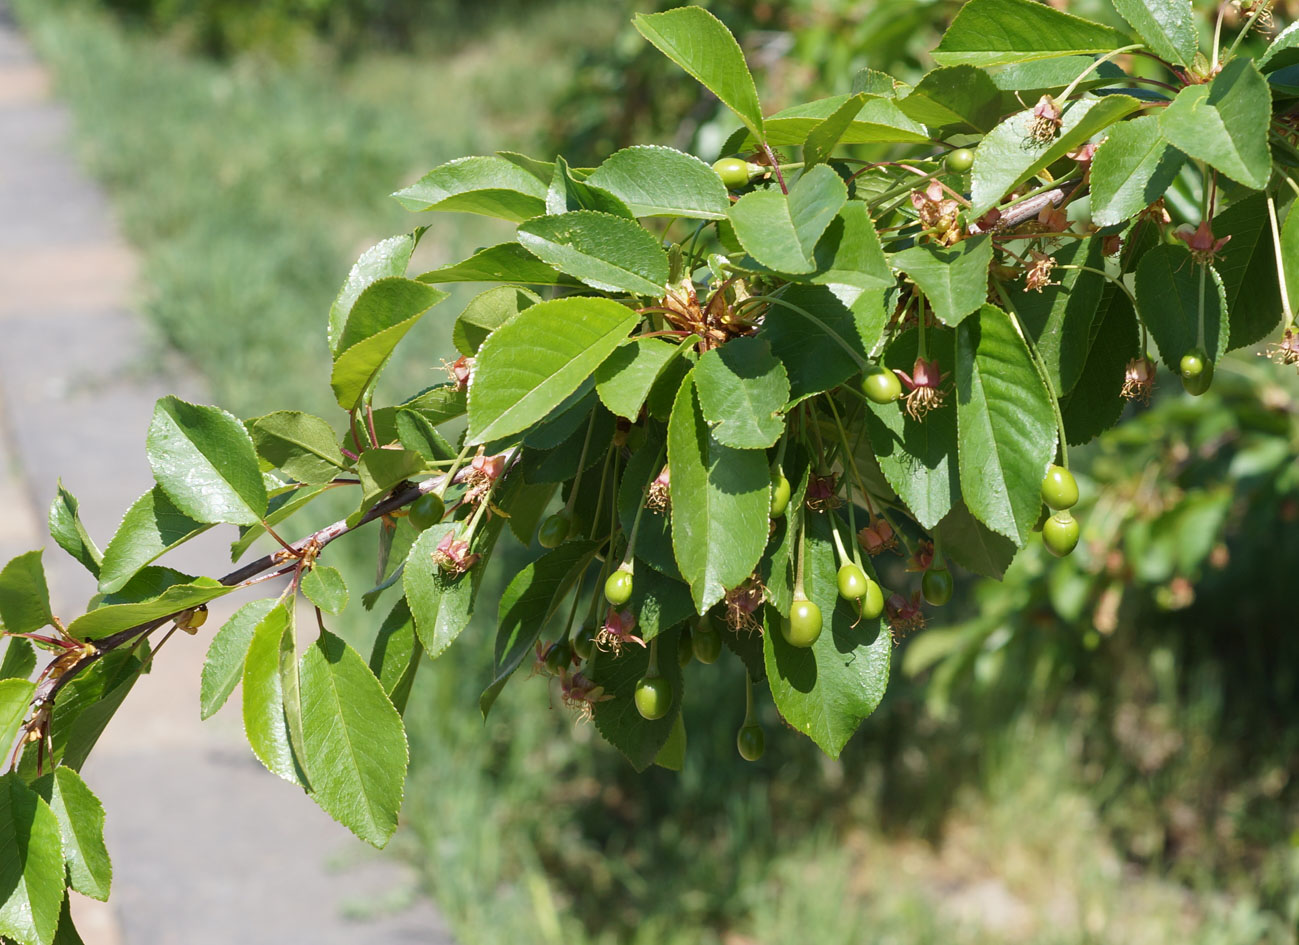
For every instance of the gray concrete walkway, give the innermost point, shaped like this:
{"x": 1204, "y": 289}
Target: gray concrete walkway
{"x": 207, "y": 846}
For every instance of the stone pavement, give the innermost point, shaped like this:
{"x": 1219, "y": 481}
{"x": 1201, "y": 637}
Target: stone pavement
{"x": 207, "y": 846}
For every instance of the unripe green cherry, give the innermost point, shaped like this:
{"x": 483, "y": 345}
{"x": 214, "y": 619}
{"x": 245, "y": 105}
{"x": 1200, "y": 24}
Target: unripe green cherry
{"x": 1060, "y": 533}
{"x": 960, "y": 160}
{"x": 1059, "y": 488}
{"x": 618, "y": 587}
{"x": 1197, "y": 371}
{"x": 584, "y": 643}
{"x": 804, "y": 624}
{"x": 653, "y": 697}
{"x": 555, "y": 529}
{"x": 779, "y": 494}
{"x": 559, "y": 656}
{"x": 733, "y": 172}
{"x": 880, "y": 385}
{"x": 751, "y": 741}
{"x": 853, "y": 582}
{"x": 685, "y": 648}
{"x": 937, "y": 586}
{"x": 872, "y": 605}
{"x": 426, "y": 511}
{"x": 707, "y": 642}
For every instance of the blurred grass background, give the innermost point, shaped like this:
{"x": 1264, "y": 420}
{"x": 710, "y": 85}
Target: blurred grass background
{"x": 1042, "y": 770}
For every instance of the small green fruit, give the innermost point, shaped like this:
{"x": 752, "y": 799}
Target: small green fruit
{"x": 804, "y": 624}
{"x": 1060, "y": 534}
{"x": 960, "y": 160}
{"x": 872, "y": 605}
{"x": 426, "y": 511}
{"x": 733, "y": 172}
{"x": 707, "y": 642}
{"x": 937, "y": 586}
{"x": 881, "y": 386}
{"x": 853, "y": 582}
{"x": 584, "y": 643}
{"x": 618, "y": 587}
{"x": 751, "y": 741}
{"x": 653, "y": 697}
{"x": 1197, "y": 371}
{"x": 559, "y": 656}
{"x": 1059, "y": 488}
{"x": 779, "y": 494}
{"x": 555, "y": 529}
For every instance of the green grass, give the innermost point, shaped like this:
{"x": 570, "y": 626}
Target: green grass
{"x": 248, "y": 189}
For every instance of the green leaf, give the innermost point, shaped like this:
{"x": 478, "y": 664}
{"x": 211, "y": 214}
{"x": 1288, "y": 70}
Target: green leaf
{"x": 441, "y": 603}
{"x": 81, "y": 826}
{"x": 382, "y": 469}
{"x": 67, "y": 933}
{"x": 825, "y": 137}
{"x": 700, "y": 44}
{"x": 655, "y": 181}
{"x": 31, "y": 870}
{"x": 1166, "y": 26}
{"x": 824, "y": 691}
{"x": 1059, "y": 318}
{"x": 742, "y": 389}
{"x": 849, "y": 254}
{"x": 1006, "y": 423}
{"x": 19, "y": 659}
{"x": 151, "y": 527}
{"x": 1225, "y": 123}
{"x": 532, "y": 598}
{"x": 660, "y": 603}
{"x": 720, "y": 500}
{"x": 1168, "y": 290}
{"x": 396, "y": 654}
{"x": 918, "y": 459}
{"x": 957, "y": 98}
{"x": 1095, "y": 403}
{"x": 953, "y": 279}
{"x": 414, "y": 432}
{"x": 491, "y": 186}
{"x": 204, "y": 460}
{"x": 324, "y": 586}
{"x": 817, "y": 337}
{"x": 781, "y": 231}
{"x": 85, "y": 723}
{"x": 111, "y": 618}
{"x": 355, "y": 743}
{"x": 15, "y": 696}
{"x": 1008, "y": 156}
{"x": 879, "y": 121}
{"x": 487, "y": 312}
{"x": 69, "y": 533}
{"x": 605, "y": 252}
{"x": 387, "y": 258}
{"x": 302, "y": 446}
{"x": 24, "y": 596}
{"x": 1247, "y": 264}
{"x": 265, "y": 723}
{"x": 505, "y": 262}
{"x": 972, "y": 545}
{"x": 567, "y": 193}
{"x": 381, "y": 317}
{"x": 626, "y": 377}
{"x": 996, "y": 32}
{"x": 224, "y": 665}
{"x": 531, "y": 363}
{"x": 1132, "y": 169}
{"x": 617, "y": 718}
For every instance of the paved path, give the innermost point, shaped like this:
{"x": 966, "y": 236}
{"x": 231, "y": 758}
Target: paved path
{"x": 207, "y": 846}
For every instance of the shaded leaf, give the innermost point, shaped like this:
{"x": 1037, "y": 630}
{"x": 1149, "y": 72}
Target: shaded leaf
{"x": 324, "y": 586}
{"x": 81, "y": 827}
{"x": 24, "y": 596}
{"x": 1132, "y": 169}
{"x": 742, "y": 389}
{"x": 486, "y": 312}
{"x": 1168, "y": 288}
{"x": 781, "y": 231}
{"x": 31, "y": 870}
{"x": 617, "y": 718}
{"x": 69, "y": 533}
{"x": 954, "y": 280}
{"x": 224, "y": 665}
{"x": 265, "y": 723}
{"x": 1225, "y": 123}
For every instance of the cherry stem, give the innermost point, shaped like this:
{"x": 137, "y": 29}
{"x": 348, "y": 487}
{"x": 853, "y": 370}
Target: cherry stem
{"x": 653, "y": 668}
{"x": 1259, "y": 7}
{"x": 1280, "y": 263}
{"x": 1069, "y": 89}
{"x": 798, "y": 572}
{"x": 628, "y": 558}
{"x": 775, "y": 166}
{"x": 581, "y": 465}
{"x": 455, "y": 468}
{"x": 748, "y": 698}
